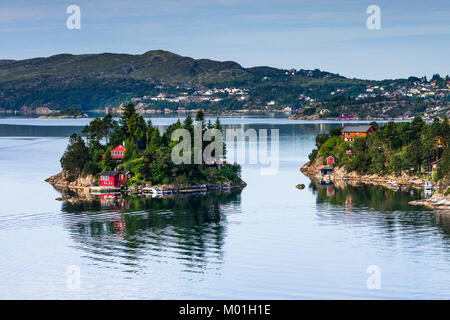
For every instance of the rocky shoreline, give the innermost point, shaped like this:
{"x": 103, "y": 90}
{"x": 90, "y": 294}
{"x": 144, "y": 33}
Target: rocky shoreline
{"x": 88, "y": 184}
{"x": 355, "y": 118}
{"x": 59, "y": 180}
{"x": 63, "y": 116}
{"x": 437, "y": 201}
{"x": 390, "y": 181}
{"x": 393, "y": 182}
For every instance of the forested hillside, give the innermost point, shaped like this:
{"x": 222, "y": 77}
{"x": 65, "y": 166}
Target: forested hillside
{"x": 160, "y": 81}
{"x": 394, "y": 148}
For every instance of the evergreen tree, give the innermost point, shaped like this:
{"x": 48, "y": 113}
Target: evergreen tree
{"x": 75, "y": 157}
{"x": 200, "y": 116}
{"x": 94, "y": 131}
{"x": 131, "y": 151}
{"x": 108, "y": 163}
{"x": 218, "y": 125}
{"x": 128, "y": 112}
{"x": 188, "y": 124}
{"x": 108, "y": 124}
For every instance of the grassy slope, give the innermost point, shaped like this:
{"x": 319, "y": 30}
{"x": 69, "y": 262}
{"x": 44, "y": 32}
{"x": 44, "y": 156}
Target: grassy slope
{"x": 96, "y": 80}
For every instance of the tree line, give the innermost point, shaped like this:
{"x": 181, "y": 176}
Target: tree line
{"x": 394, "y": 147}
{"x": 148, "y": 151}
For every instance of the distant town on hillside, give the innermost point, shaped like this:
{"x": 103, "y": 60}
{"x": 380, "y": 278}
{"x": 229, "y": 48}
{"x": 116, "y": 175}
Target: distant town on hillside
{"x": 163, "y": 82}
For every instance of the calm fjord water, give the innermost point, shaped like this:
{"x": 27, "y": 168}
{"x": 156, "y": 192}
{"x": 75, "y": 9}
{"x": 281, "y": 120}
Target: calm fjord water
{"x": 270, "y": 241}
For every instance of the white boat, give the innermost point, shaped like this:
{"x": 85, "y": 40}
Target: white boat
{"x": 428, "y": 185}
{"x": 395, "y": 184}
{"x": 156, "y": 190}
{"x": 326, "y": 179}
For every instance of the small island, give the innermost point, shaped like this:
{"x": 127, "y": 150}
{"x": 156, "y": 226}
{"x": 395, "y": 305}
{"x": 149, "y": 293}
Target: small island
{"x": 133, "y": 156}
{"x": 65, "y": 114}
{"x": 395, "y": 155}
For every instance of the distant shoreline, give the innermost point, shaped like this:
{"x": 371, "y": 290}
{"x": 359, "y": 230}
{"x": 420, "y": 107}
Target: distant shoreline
{"x": 309, "y": 118}
{"x": 63, "y": 116}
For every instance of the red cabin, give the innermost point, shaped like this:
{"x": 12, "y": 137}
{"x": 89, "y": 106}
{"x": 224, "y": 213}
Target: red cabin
{"x": 330, "y": 160}
{"x": 113, "y": 178}
{"x": 118, "y": 152}
{"x": 434, "y": 165}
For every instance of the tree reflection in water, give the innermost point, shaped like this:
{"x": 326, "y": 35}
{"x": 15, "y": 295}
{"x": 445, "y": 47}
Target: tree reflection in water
{"x": 189, "y": 228}
{"x": 375, "y": 197}
{"x": 378, "y": 206}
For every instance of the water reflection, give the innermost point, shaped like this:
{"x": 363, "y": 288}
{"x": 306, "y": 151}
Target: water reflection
{"x": 138, "y": 230}
{"x": 362, "y": 196}
{"x": 384, "y": 209}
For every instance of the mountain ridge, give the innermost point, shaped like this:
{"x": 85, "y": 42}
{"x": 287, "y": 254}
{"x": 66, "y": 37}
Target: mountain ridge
{"x": 95, "y": 81}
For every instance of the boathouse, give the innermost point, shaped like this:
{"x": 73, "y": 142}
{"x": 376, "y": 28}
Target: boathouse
{"x": 349, "y": 133}
{"x": 114, "y": 178}
{"x": 325, "y": 170}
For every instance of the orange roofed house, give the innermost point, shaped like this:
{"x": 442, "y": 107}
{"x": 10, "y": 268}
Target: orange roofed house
{"x": 349, "y": 133}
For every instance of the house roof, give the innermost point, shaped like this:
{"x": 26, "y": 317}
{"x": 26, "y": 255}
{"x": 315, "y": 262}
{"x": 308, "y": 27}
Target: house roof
{"x": 109, "y": 173}
{"x": 324, "y": 167}
{"x": 437, "y": 161}
{"x": 360, "y": 128}
{"x": 119, "y": 148}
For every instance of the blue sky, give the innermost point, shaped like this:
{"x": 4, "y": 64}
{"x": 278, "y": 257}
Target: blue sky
{"x": 414, "y": 38}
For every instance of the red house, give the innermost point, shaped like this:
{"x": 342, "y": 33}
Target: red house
{"x": 330, "y": 160}
{"x": 113, "y": 178}
{"x": 434, "y": 165}
{"x": 118, "y": 152}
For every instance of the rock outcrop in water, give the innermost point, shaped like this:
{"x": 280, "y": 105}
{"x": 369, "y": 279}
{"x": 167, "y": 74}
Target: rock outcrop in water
{"x": 60, "y": 180}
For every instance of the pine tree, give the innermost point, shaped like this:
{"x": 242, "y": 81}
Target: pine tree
{"x": 128, "y": 112}
{"x": 108, "y": 163}
{"x": 75, "y": 157}
{"x": 108, "y": 125}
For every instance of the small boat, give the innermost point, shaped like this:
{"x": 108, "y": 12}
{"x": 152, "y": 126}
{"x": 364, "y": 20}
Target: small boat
{"x": 428, "y": 189}
{"x": 156, "y": 191}
{"x": 157, "y": 195}
{"x": 428, "y": 185}
{"x": 326, "y": 180}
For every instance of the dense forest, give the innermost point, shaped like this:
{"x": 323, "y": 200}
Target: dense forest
{"x": 148, "y": 151}
{"x": 394, "y": 147}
